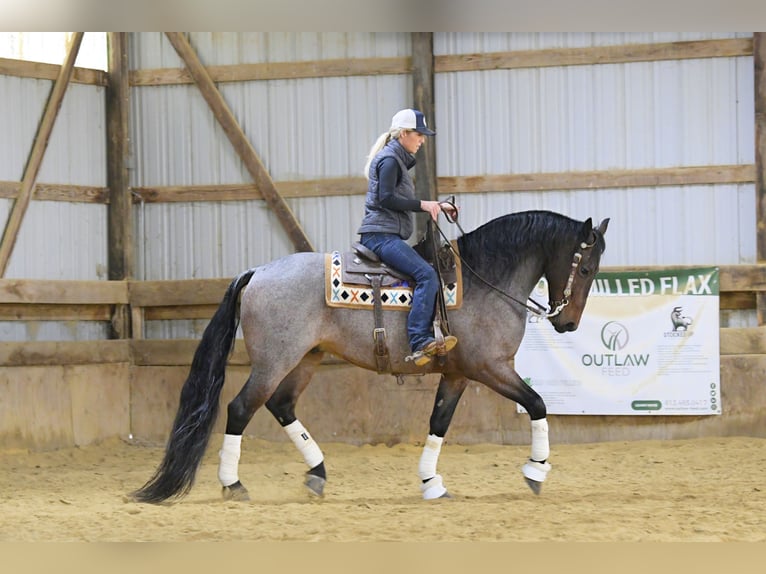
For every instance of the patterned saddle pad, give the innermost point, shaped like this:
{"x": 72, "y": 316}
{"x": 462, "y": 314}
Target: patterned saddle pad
{"x": 395, "y": 293}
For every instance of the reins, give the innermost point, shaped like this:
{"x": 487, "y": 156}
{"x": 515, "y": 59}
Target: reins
{"x": 540, "y": 311}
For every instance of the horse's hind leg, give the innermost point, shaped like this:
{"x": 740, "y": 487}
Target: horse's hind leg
{"x": 282, "y": 406}
{"x": 264, "y": 379}
{"x": 448, "y": 395}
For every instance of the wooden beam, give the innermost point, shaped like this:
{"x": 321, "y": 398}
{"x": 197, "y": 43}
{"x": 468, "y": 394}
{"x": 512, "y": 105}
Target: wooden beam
{"x": 120, "y": 212}
{"x": 627, "y": 53}
{"x": 36, "y": 155}
{"x": 340, "y": 186}
{"x": 743, "y": 341}
{"x": 651, "y": 177}
{"x": 333, "y": 187}
{"x": 63, "y": 292}
{"x": 720, "y": 48}
{"x": 41, "y": 71}
{"x": 177, "y": 292}
{"x": 57, "y": 192}
{"x": 150, "y": 352}
{"x": 49, "y": 312}
{"x": 277, "y": 71}
{"x": 346, "y": 186}
{"x": 423, "y": 99}
{"x": 240, "y": 142}
{"x": 29, "y": 353}
{"x": 759, "y": 70}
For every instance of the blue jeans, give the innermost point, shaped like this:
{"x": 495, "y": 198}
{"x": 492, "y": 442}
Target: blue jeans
{"x": 396, "y": 253}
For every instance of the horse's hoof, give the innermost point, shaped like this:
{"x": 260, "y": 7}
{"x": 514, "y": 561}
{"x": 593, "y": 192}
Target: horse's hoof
{"x": 433, "y": 488}
{"x": 315, "y": 484}
{"x": 534, "y": 485}
{"x": 236, "y": 492}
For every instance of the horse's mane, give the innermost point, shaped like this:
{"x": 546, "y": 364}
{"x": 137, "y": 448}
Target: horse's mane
{"x": 496, "y": 248}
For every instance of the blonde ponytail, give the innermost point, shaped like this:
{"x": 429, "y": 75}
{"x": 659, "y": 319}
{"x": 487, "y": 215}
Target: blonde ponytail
{"x": 379, "y": 144}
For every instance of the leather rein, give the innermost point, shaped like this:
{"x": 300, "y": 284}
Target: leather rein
{"x": 556, "y": 306}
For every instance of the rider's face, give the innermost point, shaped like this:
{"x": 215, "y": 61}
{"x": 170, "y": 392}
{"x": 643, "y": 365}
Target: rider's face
{"x": 411, "y": 140}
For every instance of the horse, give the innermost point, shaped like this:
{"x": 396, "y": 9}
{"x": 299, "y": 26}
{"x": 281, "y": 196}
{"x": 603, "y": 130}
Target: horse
{"x": 288, "y": 328}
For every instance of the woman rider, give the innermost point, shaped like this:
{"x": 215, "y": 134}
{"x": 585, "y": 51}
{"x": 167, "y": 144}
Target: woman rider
{"x": 388, "y": 222}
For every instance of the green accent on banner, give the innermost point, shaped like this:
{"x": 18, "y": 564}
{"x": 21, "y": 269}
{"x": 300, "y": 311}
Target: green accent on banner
{"x": 646, "y": 405}
{"x": 700, "y": 281}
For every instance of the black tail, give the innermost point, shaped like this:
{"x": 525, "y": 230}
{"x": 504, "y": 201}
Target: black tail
{"x": 198, "y": 406}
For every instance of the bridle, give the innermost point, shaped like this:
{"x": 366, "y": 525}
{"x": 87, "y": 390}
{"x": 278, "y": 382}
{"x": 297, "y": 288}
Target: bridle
{"x": 559, "y": 304}
{"x": 556, "y": 306}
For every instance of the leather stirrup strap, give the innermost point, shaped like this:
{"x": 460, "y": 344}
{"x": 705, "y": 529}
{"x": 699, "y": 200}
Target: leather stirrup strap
{"x": 379, "y": 332}
{"x": 441, "y": 310}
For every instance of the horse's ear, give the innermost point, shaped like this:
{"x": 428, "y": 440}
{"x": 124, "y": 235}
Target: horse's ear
{"x": 603, "y": 225}
{"x": 586, "y": 229}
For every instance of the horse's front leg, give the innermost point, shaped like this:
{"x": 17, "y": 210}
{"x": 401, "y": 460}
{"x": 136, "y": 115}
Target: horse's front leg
{"x": 506, "y": 381}
{"x": 448, "y": 395}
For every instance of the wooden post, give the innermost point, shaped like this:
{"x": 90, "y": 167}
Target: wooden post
{"x": 39, "y": 146}
{"x": 240, "y": 142}
{"x": 423, "y": 97}
{"x": 759, "y": 65}
{"x": 120, "y": 209}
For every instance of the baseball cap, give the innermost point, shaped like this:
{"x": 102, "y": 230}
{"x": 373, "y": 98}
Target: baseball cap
{"x": 411, "y": 120}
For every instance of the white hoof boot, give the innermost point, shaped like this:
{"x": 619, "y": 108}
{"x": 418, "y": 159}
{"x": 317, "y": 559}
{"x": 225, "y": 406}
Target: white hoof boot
{"x": 434, "y": 488}
{"x": 536, "y": 471}
{"x": 534, "y": 474}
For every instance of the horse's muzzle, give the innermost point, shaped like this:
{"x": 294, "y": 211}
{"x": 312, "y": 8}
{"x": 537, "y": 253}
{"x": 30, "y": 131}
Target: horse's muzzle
{"x": 565, "y": 327}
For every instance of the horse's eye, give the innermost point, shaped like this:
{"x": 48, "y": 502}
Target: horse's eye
{"x": 584, "y": 271}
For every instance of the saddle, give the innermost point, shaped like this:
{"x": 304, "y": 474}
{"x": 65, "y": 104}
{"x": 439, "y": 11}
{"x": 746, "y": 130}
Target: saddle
{"x": 362, "y": 266}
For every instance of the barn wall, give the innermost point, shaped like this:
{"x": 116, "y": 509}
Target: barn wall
{"x": 602, "y": 117}
{"x": 527, "y": 120}
{"x": 52, "y": 407}
{"x": 45, "y": 408}
{"x": 57, "y": 239}
{"x": 573, "y": 118}
{"x": 567, "y": 118}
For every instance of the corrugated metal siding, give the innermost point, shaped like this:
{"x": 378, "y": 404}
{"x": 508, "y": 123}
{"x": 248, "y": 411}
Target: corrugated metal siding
{"x": 616, "y": 116}
{"x": 302, "y": 129}
{"x": 57, "y": 240}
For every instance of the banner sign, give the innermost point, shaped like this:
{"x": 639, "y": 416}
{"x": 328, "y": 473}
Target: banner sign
{"x": 648, "y": 343}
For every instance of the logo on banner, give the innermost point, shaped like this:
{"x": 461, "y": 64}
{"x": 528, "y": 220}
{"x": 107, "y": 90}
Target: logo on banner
{"x": 680, "y": 321}
{"x": 615, "y": 337}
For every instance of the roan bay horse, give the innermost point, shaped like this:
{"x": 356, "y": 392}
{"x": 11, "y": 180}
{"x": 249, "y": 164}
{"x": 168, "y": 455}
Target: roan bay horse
{"x": 288, "y": 328}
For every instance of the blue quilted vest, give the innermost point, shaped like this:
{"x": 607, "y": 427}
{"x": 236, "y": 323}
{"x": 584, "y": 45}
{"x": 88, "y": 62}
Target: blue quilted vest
{"x": 378, "y": 219}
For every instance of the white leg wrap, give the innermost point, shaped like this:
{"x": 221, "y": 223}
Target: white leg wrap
{"x": 431, "y": 450}
{"x": 228, "y": 467}
{"x": 433, "y": 488}
{"x": 540, "y": 446}
{"x": 301, "y": 438}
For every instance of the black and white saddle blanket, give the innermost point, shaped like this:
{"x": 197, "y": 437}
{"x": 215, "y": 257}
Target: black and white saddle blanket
{"x": 347, "y": 284}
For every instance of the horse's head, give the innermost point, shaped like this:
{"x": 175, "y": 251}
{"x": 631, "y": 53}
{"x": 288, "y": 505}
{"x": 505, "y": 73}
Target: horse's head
{"x": 571, "y": 273}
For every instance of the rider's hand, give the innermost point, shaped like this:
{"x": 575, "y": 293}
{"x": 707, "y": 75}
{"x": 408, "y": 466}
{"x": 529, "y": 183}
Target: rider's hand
{"x": 431, "y": 207}
{"x": 450, "y": 209}
{"x": 435, "y": 207}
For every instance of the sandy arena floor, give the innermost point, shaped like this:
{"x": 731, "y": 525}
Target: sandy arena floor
{"x": 694, "y": 490}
